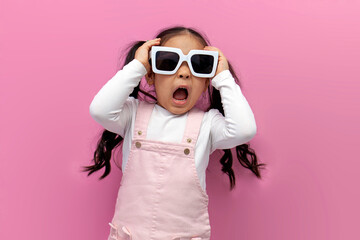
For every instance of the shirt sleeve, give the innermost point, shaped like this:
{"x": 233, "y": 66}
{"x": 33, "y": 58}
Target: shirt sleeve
{"x": 238, "y": 126}
{"x": 112, "y": 107}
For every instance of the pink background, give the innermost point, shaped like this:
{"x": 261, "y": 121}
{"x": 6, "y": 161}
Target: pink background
{"x": 299, "y": 65}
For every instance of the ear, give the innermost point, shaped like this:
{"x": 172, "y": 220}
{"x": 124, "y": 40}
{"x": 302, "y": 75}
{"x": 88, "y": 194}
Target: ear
{"x": 206, "y": 84}
{"x": 150, "y": 77}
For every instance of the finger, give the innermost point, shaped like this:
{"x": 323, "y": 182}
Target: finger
{"x": 148, "y": 44}
{"x": 152, "y": 41}
{"x": 211, "y": 48}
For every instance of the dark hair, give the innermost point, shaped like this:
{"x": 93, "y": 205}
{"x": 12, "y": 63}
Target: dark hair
{"x": 109, "y": 140}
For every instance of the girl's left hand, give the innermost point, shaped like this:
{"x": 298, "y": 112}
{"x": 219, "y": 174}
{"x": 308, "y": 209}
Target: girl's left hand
{"x": 222, "y": 62}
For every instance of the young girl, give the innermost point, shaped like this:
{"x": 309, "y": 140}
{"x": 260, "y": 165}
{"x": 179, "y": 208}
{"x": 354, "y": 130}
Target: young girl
{"x": 166, "y": 144}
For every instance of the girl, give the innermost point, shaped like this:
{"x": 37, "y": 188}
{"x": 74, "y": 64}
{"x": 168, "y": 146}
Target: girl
{"x": 166, "y": 144}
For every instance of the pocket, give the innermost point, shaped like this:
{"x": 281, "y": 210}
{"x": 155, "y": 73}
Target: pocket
{"x": 119, "y": 234}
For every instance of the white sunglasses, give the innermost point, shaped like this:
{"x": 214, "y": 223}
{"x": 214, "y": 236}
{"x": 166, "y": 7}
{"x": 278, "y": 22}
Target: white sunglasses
{"x": 167, "y": 60}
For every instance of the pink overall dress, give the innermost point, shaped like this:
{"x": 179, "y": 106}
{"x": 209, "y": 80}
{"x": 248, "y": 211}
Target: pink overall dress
{"x": 160, "y": 196}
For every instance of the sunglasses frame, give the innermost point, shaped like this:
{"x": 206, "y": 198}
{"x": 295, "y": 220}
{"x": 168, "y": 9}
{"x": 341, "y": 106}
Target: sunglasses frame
{"x": 182, "y": 58}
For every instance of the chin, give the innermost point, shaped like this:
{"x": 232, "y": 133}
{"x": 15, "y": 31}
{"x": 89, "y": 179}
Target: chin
{"x": 179, "y": 110}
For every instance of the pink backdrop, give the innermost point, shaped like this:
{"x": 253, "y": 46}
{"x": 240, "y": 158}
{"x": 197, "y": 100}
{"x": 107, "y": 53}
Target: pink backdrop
{"x": 299, "y": 65}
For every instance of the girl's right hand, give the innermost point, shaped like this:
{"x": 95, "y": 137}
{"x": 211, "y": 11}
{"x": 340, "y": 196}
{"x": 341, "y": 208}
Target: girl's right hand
{"x": 142, "y": 53}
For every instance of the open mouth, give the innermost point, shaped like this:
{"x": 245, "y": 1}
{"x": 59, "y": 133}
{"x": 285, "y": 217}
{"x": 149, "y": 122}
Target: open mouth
{"x": 180, "y": 95}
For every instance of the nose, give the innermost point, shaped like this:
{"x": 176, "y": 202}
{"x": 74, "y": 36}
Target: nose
{"x": 184, "y": 71}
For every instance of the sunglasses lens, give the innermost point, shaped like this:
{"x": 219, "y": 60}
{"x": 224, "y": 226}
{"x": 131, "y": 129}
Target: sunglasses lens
{"x": 202, "y": 63}
{"x": 166, "y": 61}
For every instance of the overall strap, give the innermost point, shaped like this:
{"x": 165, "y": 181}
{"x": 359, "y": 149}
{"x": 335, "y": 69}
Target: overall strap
{"x": 143, "y": 114}
{"x": 193, "y": 124}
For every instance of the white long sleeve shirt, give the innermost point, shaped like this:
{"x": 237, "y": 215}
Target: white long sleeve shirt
{"x": 113, "y": 109}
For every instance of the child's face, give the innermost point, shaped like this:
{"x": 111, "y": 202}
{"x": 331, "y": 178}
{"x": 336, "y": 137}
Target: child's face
{"x": 166, "y": 86}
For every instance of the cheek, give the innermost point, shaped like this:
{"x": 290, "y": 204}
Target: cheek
{"x": 207, "y": 84}
{"x": 199, "y": 90}
{"x": 162, "y": 88}
{"x": 202, "y": 85}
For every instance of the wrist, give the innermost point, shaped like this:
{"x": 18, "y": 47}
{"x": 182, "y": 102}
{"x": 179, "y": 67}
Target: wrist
{"x": 139, "y": 66}
{"x": 145, "y": 65}
{"x": 220, "y": 77}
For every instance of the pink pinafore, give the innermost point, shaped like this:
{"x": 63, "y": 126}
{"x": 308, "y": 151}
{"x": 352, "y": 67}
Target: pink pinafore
{"x": 160, "y": 196}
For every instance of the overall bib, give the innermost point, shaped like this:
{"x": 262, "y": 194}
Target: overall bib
{"x": 160, "y": 196}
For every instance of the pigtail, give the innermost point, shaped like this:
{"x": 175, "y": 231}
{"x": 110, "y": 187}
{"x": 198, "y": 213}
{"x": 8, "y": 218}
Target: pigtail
{"x": 245, "y": 155}
{"x": 110, "y": 140}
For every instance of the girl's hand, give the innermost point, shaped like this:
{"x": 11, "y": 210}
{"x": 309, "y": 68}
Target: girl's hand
{"x": 142, "y": 53}
{"x": 222, "y": 62}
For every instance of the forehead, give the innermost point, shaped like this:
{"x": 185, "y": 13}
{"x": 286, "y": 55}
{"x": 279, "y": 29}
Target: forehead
{"x": 185, "y": 42}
